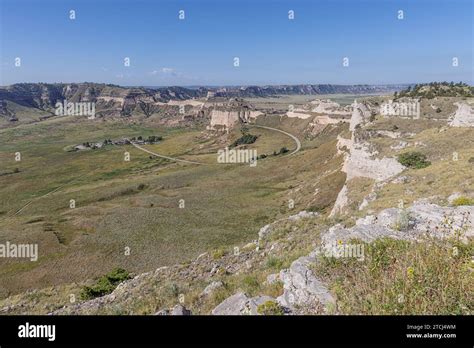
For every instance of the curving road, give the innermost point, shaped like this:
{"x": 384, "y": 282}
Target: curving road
{"x": 297, "y": 141}
{"x": 162, "y": 156}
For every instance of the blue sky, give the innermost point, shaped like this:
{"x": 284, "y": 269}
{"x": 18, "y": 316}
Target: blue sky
{"x": 200, "y": 49}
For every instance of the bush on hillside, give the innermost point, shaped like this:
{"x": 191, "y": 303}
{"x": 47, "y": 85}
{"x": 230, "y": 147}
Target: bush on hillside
{"x": 282, "y": 151}
{"x": 270, "y": 308}
{"x": 105, "y": 284}
{"x": 154, "y": 138}
{"x": 244, "y": 139}
{"x": 413, "y": 159}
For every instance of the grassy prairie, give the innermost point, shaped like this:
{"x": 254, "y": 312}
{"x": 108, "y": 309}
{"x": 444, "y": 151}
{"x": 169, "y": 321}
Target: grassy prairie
{"x": 133, "y": 207}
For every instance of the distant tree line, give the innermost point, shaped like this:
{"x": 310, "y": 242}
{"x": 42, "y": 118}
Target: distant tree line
{"x": 245, "y": 139}
{"x": 437, "y": 89}
{"x": 151, "y": 139}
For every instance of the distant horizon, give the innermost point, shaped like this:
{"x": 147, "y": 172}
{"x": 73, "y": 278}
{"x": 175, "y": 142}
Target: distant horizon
{"x": 243, "y": 85}
{"x": 236, "y": 42}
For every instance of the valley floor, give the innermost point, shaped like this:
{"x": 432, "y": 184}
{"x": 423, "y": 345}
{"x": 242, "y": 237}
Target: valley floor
{"x": 140, "y": 214}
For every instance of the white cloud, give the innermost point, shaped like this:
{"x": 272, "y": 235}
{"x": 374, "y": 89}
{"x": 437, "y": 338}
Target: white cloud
{"x": 166, "y": 74}
{"x": 164, "y": 71}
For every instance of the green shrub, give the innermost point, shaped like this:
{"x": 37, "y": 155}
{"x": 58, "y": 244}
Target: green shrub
{"x": 105, "y": 284}
{"x": 463, "y": 201}
{"x": 413, "y": 159}
{"x": 244, "y": 139}
{"x": 270, "y": 308}
{"x": 282, "y": 151}
{"x": 154, "y": 138}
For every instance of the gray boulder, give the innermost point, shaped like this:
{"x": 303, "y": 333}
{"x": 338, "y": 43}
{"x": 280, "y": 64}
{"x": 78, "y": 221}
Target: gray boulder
{"x": 180, "y": 310}
{"x": 301, "y": 287}
{"x": 240, "y": 304}
{"x": 233, "y": 305}
{"x": 211, "y": 288}
{"x": 163, "y": 312}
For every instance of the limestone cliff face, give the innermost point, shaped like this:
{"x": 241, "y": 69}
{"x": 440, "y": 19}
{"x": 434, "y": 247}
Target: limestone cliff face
{"x": 360, "y": 160}
{"x": 331, "y": 111}
{"x": 226, "y": 120}
{"x": 110, "y": 100}
{"x": 328, "y": 107}
{"x": 117, "y": 101}
{"x": 464, "y": 116}
{"x": 225, "y": 116}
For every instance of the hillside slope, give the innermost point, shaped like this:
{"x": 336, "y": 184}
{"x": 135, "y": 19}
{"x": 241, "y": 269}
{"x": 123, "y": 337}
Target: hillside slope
{"x": 398, "y": 239}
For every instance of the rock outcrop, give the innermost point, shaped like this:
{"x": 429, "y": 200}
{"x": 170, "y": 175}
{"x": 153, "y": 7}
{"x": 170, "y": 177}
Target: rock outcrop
{"x": 240, "y": 304}
{"x": 464, "y": 116}
{"x": 213, "y": 286}
{"x": 109, "y": 100}
{"x": 180, "y": 310}
{"x": 329, "y": 107}
{"x": 116, "y": 101}
{"x": 267, "y": 229}
{"x": 360, "y": 160}
{"x": 302, "y": 288}
{"x": 304, "y": 291}
{"x": 226, "y": 116}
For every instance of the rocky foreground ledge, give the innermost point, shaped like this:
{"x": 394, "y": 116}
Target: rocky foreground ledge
{"x": 303, "y": 291}
{"x": 302, "y": 288}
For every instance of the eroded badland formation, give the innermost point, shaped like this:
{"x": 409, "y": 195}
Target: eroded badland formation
{"x": 371, "y": 203}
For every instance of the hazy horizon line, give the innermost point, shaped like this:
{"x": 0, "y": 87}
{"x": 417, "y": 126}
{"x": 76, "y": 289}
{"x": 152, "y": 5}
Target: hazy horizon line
{"x": 238, "y": 85}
